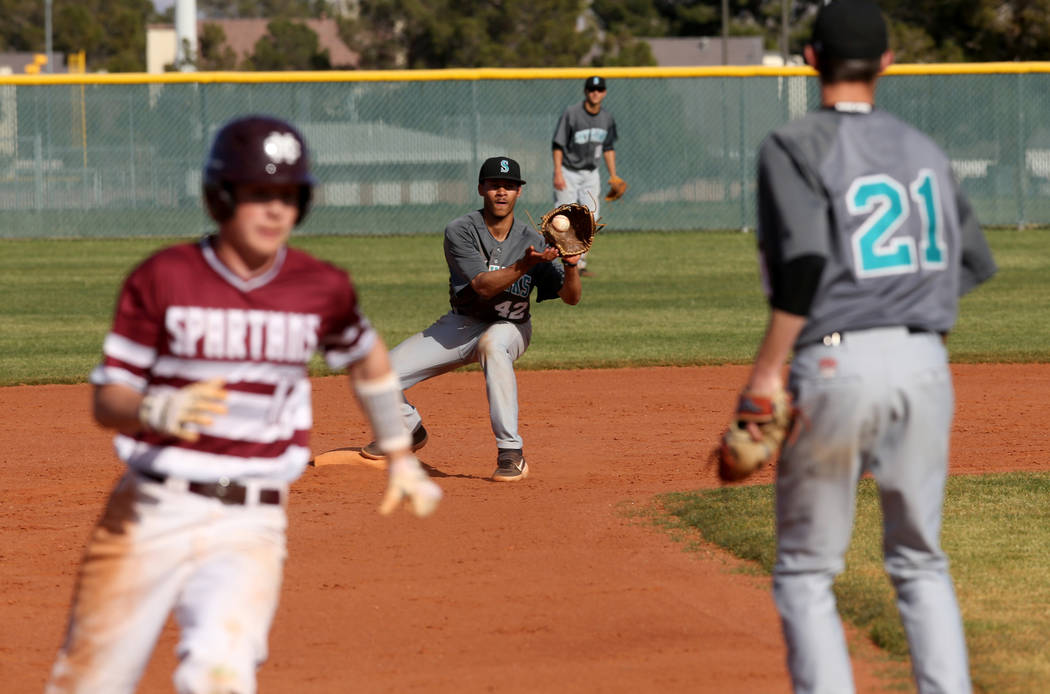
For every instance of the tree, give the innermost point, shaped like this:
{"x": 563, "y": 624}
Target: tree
{"x": 111, "y": 32}
{"x": 124, "y": 47}
{"x": 76, "y": 28}
{"x": 622, "y": 48}
{"x": 978, "y": 30}
{"x": 23, "y": 26}
{"x": 289, "y": 45}
{"x": 468, "y": 33}
{"x": 213, "y": 52}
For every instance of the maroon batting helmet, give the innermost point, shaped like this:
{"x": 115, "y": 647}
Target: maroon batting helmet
{"x": 255, "y": 150}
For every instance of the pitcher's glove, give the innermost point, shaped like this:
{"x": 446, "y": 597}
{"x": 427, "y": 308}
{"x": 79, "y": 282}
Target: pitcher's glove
{"x": 574, "y": 232}
{"x": 617, "y": 187}
{"x": 755, "y": 435}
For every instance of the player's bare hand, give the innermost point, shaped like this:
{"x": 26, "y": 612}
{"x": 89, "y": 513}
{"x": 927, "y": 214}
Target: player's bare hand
{"x": 572, "y": 259}
{"x": 533, "y": 257}
{"x": 409, "y": 485}
{"x": 182, "y": 413}
{"x": 559, "y": 181}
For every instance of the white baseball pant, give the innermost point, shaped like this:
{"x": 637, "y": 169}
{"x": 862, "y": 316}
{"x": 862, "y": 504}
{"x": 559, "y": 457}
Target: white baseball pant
{"x": 157, "y": 548}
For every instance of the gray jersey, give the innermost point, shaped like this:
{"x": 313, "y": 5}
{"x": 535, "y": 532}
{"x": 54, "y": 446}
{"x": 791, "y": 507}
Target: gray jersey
{"x": 583, "y": 137}
{"x": 876, "y": 201}
{"x": 470, "y": 249}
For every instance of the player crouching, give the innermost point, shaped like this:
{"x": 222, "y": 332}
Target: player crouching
{"x": 493, "y": 265}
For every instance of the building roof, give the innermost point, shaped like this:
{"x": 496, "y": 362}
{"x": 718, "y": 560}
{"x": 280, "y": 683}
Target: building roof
{"x": 705, "y": 50}
{"x": 379, "y": 143}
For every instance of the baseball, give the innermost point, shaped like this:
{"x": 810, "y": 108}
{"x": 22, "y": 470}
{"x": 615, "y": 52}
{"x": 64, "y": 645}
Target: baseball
{"x": 560, "y": 222}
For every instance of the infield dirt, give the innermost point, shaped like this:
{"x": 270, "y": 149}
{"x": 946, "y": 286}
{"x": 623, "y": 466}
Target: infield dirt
{"x": 554, "y": 584}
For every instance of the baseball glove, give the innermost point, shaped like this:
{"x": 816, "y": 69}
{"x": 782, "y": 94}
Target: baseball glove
{"x": 578, "y": 237}
{"x": 741, "y": 452}
{"x": 617, "y": 187}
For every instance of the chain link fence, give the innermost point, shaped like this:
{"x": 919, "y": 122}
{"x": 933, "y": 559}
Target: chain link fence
{"x": 396, "y": 155}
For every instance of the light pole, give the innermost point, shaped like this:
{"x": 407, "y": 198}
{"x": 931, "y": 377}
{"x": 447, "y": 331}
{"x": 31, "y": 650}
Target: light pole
{"x": 186, "y": 35}
{"x": 785, "y": 7}
{"x": 47, "y": 33}
{"x": 725, "y": 32}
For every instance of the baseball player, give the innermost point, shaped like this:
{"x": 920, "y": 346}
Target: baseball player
{"x": 493, "y": 265}
{"x": 866, "y": 242}
{"x": 204, "y": 379}
{"x": 585, "y": 133}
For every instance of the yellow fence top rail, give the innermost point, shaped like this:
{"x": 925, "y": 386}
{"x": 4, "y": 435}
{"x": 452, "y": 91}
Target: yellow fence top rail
{"x": 474, "y": 74}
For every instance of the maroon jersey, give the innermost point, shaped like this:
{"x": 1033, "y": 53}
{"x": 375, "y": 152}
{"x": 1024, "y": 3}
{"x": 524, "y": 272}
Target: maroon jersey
{"x": 183, "y": 316}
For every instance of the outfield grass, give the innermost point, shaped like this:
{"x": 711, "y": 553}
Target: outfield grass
{"x": 996, "y": 531}
{"x": 683, "y": 298}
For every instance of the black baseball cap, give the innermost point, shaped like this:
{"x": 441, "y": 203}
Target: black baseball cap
{"x": 850, "y": 29}
{"x": 594, "y": 83}
{"x": 503, "y": 168}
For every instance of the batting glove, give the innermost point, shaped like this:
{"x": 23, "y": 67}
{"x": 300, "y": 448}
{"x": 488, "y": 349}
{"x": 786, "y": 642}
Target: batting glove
{"x": 181, "y": 413}
{"x": 410, "y": 484}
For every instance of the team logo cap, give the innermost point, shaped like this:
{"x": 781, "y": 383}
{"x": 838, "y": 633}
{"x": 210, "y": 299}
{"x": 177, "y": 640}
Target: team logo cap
{"x": 850, "y": 29}
{"x": 594, "y": 83}
{"x": 503, "y": 168}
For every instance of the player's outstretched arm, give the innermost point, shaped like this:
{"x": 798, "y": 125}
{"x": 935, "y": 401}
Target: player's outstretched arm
{"x": 489, "y": 284}
{"x": 378, "y": 391}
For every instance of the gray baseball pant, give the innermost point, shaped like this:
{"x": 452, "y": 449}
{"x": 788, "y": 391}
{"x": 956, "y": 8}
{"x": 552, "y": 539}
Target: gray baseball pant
{"x": 881, "y": 402}
{"x": 455, "y": 340}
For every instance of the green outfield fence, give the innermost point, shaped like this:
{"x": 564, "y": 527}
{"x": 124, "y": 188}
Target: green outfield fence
{"x": 398, "y": 151}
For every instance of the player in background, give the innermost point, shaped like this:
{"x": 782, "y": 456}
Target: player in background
{"x": 204, "y": 379}
{"x": 866, "y": 242}
{"x": 585, "y": 133}
{"x": 493, "y": 265}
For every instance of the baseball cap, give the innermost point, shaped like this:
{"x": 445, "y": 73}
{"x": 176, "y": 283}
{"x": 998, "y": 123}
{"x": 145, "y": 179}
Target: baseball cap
{"x": 850, "y": 29}
{"x": 594, "y": 83}
{"x": 503, "y": 168}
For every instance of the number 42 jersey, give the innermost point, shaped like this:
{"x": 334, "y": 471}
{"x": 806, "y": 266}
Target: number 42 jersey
{"x": 861, "y": 224}
{"x": 470, "y": 249}
{"x": 182, "y": 316}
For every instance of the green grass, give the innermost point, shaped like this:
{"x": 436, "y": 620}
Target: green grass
{"x": 996, "y": 531}
{"x": 683, "y": 298}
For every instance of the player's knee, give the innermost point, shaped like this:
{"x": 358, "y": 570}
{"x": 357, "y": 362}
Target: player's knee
{"x": 206, "y": 676}
{"x": 490, "y": 347}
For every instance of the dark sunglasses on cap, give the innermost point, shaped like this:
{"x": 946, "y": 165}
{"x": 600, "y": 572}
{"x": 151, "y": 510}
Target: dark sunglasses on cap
{"x": 596, "y": 89}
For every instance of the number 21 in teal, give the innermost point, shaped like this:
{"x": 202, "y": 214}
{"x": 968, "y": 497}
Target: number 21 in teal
{"x": 877, "y": 249}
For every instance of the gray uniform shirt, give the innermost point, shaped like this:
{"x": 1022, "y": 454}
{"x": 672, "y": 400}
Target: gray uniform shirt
{"x": 876, "y": 201}
{"x": 583, "y": 137}
{"x": 470, "y": 249}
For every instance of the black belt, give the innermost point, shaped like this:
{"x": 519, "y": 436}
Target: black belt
{"x": 839, "y": 336}
{"x": 225, "y": 491}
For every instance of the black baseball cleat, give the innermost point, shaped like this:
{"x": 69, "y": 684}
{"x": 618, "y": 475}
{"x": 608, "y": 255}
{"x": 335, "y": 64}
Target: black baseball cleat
{"x": 510, "y": 466}
{"x": 419, "y": 439}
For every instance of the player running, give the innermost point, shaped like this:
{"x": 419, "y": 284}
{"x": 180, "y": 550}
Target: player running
{"x": 493, "y": 267}
{"x": 867, "y": 243}
{"x": 204, "y": 378}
